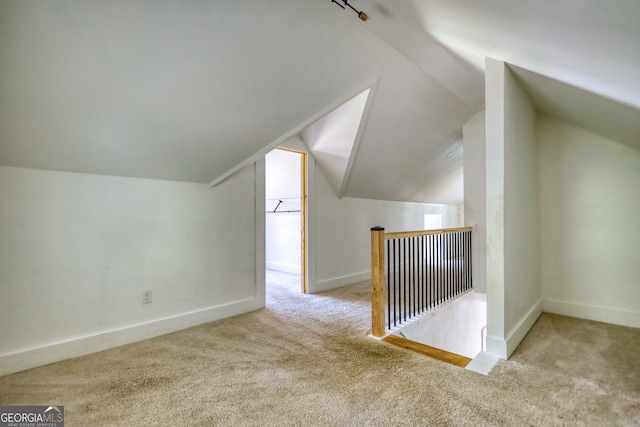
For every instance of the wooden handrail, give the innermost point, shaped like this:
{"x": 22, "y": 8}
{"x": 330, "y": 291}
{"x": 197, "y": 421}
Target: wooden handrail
{"x": 402, "y": 234}
{"x": 443, "y": 287}
{"x": 377, "y": 282}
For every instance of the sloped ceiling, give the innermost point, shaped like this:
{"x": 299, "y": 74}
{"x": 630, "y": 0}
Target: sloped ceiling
{"x": 189, "y": 90}
{"x": 178, "y": 90}
{"x": 332, "y": 139}
{"x": 411, "y": 126}
{"x": 590, "y": 44}
{"x": 611, "y": 119}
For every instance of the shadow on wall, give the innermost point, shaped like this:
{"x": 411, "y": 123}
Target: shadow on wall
{"x": 457, "y": 327}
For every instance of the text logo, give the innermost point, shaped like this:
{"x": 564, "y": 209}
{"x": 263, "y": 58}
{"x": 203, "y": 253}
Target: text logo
{"x": 31, "y": 416}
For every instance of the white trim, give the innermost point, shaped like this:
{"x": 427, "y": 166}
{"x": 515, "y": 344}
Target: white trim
{"x": 336, "y": 282}
{"x": 518, "y": 332}
{"x": 260, "y": 230}
{"x": 287, "y": 268}
{"x": 592, "y": 312}
{"x": 311, "y": 222}
{"x": 496, "y": 346}
{"x": 27, "y": 359}
{"x": 503, "y": 348}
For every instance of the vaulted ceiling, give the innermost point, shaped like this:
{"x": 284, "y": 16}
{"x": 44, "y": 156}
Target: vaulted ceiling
{"x": 191, "y": 90}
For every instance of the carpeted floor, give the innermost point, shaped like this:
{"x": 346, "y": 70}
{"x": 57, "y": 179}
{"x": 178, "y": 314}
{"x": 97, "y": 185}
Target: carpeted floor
{"x": 305, "y": 360}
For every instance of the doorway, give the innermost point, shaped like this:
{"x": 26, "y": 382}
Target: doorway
{"x": 286, "y": 214}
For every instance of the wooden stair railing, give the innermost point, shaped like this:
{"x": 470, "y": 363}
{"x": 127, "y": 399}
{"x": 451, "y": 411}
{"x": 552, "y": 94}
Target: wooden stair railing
{"x": 418, "y": 271}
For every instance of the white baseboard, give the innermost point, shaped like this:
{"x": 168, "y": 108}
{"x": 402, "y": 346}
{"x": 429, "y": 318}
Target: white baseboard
{"x": 286, "y": 268}
{"x": 517, "y": 333}
{"x": 27, "y": 359}
{"x": 591, "y": 312}
{"x": 496, "y": 346}
{"x": 337, "y": 282}
{"x": 504, "y": 347}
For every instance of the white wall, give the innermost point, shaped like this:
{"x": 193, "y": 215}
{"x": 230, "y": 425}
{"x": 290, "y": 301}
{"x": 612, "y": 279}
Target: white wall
{"x": 475, "y": 194}
{"x": 513, "y": 275}
{"x": 77, "y": 250}
{"x": 343, "y": 231}
{"x": 283, "y": 230}
{"x": 456, "y": 327}
{"x": 339, "y": 231}
{"x": 590, "y": 224}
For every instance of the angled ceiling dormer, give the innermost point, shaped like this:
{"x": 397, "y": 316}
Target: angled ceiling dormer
{"x": 332, "y": 140}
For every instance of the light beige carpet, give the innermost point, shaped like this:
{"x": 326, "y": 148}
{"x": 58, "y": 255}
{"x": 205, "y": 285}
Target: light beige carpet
{"x": 305, "y": 360}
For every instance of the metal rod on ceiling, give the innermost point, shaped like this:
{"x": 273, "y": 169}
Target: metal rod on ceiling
{"x": 360, "y": 13}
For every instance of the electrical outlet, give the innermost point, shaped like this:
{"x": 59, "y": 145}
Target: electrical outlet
{"x": 147, "y": 296}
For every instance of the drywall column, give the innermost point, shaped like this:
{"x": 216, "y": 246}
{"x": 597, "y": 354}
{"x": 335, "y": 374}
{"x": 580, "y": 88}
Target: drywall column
{"x": 513, "y": 286}
{"x": 475, "y": 194}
